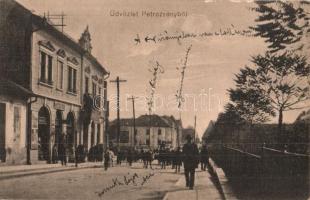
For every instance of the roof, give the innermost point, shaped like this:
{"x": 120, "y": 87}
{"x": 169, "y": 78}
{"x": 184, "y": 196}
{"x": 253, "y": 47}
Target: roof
{"x": 11, "y": 88}
{"x": 188, "y": 131}
{"x": 146, "y": 120}
{"x": 304, "y": 116}
{"x": 170, "y": 120}
{"x": 153, "y": 120}
{"x": 208, "y": 130}
{"x": 123, "y": 122}
{"x": 44, "y": 24}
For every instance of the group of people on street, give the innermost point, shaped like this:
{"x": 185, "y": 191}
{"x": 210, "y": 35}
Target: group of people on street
{"x": 189, "y": 155}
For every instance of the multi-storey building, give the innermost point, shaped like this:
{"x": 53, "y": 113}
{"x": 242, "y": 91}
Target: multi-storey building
{"x": 94, "y": 87}
{"x": 52, "y": 66}
{"x": 152, "y": 131}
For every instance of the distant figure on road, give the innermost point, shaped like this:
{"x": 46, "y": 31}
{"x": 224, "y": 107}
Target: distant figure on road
{"x": 106, "y": 159}
{"x": 204, "y": 157}
{"x": 129, "y": 157}
{"x": 190, "y": 160}
{"x": 178, "y": 160}
{"x": 62, "y": 154}
{"x": 55, "y": 154}
{"x": 112, "y": 155}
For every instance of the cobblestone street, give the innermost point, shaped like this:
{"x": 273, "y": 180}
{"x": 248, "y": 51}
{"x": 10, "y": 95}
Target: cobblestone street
{"x": 89, "y": 182}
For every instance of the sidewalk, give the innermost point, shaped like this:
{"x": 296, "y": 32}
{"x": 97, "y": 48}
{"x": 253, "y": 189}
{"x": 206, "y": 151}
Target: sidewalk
{"x": 204, "y": 188}
{"x": 15, "y": 171}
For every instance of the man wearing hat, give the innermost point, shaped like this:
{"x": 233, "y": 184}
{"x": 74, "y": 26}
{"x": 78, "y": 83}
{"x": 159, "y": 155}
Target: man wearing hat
{"x": 190, "y": 160}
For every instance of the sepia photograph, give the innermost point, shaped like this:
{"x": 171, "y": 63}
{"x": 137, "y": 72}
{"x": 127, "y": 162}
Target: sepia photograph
{"x": 155, "y": 99}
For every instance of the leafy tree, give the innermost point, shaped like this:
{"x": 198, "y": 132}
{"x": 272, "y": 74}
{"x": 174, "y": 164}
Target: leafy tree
{"x": 282, "y": 24}
{"x": 282, "y": 81}
{"x": 230, "y": 116}
{"x": 248, "y": 100}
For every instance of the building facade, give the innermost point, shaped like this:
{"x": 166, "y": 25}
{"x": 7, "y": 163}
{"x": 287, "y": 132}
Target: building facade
{"x": 13, "y": 114}
{"x": 94, "y": 88}
{"x": 51, "y": 65}
{"x": 152, "y": 131}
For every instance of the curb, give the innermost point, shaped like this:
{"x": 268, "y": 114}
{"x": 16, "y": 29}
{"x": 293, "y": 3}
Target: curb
{"x": 222, "y": 181}
{"x": 46, "y": 171}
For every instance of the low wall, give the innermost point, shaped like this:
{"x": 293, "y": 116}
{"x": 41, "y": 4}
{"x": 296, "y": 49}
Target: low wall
{"x": 272, "y": 170}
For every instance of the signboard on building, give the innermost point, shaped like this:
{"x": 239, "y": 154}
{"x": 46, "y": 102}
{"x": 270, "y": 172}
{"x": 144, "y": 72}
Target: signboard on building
{"x": 59, "y": 106}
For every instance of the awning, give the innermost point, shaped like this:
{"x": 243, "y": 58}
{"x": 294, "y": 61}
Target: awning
{"x": 13, "y": 89}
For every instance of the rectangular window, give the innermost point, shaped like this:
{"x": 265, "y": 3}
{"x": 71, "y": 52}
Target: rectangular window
{"x": 74, "y": 80}
{"x": 159, "y": 131}
{"x": 46, "y": 62}
{"x": 71, "y": 80}
{"x": 50, "y": 70}
{"x": 17, "y": 124}
{"x": 147, "y": 131}
{"x": 94, "y": 89}
{"x": 86, "y": 84}
{"x": 100, "y": 98}
{"x": 60, "y": 75}
{"x": 124, "y": 137}
{"x": 43, "y": 66}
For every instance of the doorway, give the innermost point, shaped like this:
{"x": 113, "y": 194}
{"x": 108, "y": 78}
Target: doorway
{"x": 58, "y": 130}
{"x": 92, "y": 141}
{"x": 2, "y": 132}
{"x": 44, "y": 134}
{"x": 70, "y": 135}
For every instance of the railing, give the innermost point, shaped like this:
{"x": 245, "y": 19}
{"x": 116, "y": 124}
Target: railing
{"x": 272, "y": 170}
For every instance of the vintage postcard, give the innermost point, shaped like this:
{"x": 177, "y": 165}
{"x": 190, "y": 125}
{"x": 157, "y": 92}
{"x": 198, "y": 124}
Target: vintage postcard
{"x": 154, "y": 99}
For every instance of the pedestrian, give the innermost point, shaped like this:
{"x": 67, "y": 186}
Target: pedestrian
{"x": 178, "y": 160}
{"x": 129, "y": 157}
{"x": 149, "y": 158}
{"x": 190, "y": 159}
{"x": 62, "y": 151}
{"x": 106, "y": 159}
{"x": 112, "y": 155}
{"x": 54, "y": 155}
{"x": 204, "y": 157}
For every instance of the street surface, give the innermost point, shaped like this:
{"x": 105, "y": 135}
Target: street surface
{"x": 121, "y": 182}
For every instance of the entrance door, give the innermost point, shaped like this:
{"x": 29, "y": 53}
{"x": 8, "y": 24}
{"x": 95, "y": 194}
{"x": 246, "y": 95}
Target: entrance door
{"x": 92, "y": 141}
{"x": 70, "y": 135}
{"x": 44, "y": 134}
{"x": 58, "y": 130}
{"x": 2, "y": 132}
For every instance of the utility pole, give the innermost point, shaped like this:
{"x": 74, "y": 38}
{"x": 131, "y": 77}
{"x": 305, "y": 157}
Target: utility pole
{"x": 132, "y": 98}
{"x": 195, "y": 130}
{"x": 117, "y": 81}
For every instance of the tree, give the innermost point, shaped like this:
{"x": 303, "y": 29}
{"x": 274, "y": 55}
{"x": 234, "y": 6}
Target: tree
{"x": 282, "y": 80}
{"x": 230, "y": 116}
{"x": 282, "y": 24}
{"x": 248, "y": 100}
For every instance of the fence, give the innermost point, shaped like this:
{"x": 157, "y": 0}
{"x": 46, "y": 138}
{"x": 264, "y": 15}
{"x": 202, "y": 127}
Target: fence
{"x": 272, "y": 169}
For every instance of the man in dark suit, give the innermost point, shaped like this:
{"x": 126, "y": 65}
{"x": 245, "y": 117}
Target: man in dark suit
{"x": 204, "y": 157}
{"x": 190, "y": 159}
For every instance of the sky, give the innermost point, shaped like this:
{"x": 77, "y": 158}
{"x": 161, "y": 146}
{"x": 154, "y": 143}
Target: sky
{"x": 211, "y": 62}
